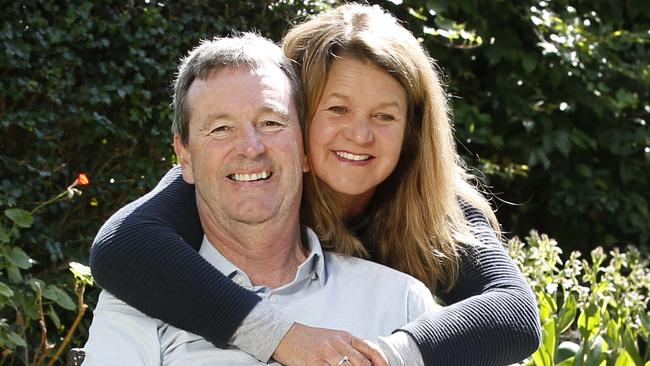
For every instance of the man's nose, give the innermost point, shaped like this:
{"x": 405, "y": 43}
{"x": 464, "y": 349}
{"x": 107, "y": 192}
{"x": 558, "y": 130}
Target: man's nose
{"x": 250, "y": 144}
{"x": 359, "y": 130}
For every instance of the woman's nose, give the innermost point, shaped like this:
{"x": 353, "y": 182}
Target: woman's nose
{"x": 359, "y": 131}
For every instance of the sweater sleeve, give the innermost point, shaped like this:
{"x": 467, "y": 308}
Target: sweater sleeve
{"x": 491, "y": 317}
{"x": 146, "y": 255}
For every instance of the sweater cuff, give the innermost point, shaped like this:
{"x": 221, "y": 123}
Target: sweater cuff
{"x": 261, "y": 332}
{"x": 400, "y": 350}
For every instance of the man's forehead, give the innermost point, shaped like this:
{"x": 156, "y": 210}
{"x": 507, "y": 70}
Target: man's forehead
{"x": 267, "y": 84}
{"x": 269, "y": 75}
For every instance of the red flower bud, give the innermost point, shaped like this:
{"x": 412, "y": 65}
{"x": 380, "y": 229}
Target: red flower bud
{"x": 82, "y": 179}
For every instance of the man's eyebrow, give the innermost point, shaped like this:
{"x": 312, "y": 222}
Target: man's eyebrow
{"x": 213, "y": 117}
{"x": 278, "y": 109}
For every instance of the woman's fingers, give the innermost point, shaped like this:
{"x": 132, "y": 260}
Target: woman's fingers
{"x": 304, "y": 345}
{"x": 347, "y": 352}
{"x": 369, "y": 351}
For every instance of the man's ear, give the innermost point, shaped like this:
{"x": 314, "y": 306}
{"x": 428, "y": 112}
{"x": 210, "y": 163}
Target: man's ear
{"x": 185, "y": 158}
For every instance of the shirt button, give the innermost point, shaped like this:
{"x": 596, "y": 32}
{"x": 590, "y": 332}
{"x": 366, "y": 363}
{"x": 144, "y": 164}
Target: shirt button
{"x": 274, "y": 299}
{"x": 239, "y": 280}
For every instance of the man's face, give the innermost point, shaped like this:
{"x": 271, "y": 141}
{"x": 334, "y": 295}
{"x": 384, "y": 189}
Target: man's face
{"x": 245, "y": 152}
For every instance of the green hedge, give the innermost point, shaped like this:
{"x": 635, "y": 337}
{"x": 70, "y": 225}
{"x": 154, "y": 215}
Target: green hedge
{"x": 85, "y": 87}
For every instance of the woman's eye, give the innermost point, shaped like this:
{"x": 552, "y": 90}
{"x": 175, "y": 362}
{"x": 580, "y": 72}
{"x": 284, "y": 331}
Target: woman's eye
{"x": 337, "y": 109}
{"x": 271, "y": 123}
{"x": 385, "y": 117}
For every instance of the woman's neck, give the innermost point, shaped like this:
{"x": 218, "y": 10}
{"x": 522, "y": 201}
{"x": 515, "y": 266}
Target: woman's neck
{"x": 354, "y": 205}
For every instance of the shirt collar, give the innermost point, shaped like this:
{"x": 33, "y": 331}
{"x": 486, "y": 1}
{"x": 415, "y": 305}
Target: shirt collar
{"x": 313, "y": 266}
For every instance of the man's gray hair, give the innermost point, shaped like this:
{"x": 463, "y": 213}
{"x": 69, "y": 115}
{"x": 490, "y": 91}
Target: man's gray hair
{"x": 247, "y": 50}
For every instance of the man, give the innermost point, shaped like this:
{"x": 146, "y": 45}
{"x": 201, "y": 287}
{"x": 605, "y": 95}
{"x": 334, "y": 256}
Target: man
{"x": 238, "y": 139}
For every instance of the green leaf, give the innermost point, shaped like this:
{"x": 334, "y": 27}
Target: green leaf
{"x": 566, "y": 351}
{"x": 4, "y": 235}
{"x": 6, "y": 290}
{"x": 562, "y": 141}
{"x": 589, "y": 321}
{"x": 16, "y": 339}
{"x": 631, "y": 347}
{"x": 60, "y": 297}
{"x": 28, "y": 304}
{"x": 54, "y": 317}
{"x": 21, "y": 217}
{"x": 14, "y": 273}
{"x": 18, "y": 257}
{"x": 624, "y": 359}
{"x": 568, "y": 362}
{"x": 549, "y": 342}
{"x": 81, "y": 272}
{"x": 529, "y": 62}
{"x": 567, "y": 314}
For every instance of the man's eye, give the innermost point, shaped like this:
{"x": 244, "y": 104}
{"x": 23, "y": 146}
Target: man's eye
{"x": 220, "y": 129}
{"x": 337, "y": 109}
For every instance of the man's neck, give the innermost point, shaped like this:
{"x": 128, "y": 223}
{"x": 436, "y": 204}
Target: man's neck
{"x": 269, "y": 253}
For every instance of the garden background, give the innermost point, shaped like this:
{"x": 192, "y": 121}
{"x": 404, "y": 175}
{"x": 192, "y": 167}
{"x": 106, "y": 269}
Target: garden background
{"x": 551, "y": 105}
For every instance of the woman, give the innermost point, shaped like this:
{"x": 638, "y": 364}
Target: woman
{"x": 387, "y": 183}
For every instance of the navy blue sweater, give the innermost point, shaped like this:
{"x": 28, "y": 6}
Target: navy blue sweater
{"x": 146, "y": 254}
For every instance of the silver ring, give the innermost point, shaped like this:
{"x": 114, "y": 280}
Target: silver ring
{"x": 343, "y": 360}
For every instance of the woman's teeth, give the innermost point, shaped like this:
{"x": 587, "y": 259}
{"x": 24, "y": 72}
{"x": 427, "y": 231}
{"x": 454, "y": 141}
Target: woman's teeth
{"x": 349, "y": 156}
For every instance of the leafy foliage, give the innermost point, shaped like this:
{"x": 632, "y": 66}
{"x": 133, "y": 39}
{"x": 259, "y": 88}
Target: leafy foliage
{"x": 593, "y": 311}
{"x": 86, "y": 87}
{"x": 552, "y": 104}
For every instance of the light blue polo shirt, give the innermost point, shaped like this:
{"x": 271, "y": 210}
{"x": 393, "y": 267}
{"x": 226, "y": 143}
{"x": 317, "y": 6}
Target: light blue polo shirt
{"x": 329, "y": 291}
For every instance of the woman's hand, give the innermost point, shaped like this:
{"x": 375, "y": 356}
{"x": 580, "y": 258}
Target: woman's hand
{"x": 303, "y": 345}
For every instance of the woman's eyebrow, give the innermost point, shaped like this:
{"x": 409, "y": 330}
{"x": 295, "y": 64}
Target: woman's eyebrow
{"x": 390, "y": 104}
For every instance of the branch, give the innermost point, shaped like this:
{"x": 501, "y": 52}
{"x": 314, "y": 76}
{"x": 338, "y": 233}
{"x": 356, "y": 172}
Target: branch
{"x": 41, "y": 352}
{"x": 79, "y": 288}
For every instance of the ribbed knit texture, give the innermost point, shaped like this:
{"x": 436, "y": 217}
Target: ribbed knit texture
{"x": 491, "y": 317}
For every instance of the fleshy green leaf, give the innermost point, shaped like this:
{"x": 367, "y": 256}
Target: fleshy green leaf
{"x": 6, "y": 290}
{"x": 16, "y": 339}
{"x": 54, "y": 317}
{"x": 21, "y": 217}
{"x": 18, "y": 257}
{"x": 4, "y": 235}
{"x": 59, "y": 296}
{"x": 567, "y": 314}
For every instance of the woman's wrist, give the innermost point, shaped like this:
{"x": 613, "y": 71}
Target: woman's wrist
{"x": 400, "y": 350}
{"x": 261, "y": 331}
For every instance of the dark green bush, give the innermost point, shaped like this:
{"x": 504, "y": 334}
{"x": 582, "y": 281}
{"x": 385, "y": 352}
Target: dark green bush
{"x": 553, "y": 105}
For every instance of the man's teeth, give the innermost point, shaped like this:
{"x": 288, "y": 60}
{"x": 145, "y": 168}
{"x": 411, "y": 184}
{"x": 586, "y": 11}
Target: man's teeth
{"x": 349, "y": 156}
{"x": 239, "y": 177}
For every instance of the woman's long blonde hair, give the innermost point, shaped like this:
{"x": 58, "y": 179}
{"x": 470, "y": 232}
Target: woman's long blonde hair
{"x": 416, "y": 225}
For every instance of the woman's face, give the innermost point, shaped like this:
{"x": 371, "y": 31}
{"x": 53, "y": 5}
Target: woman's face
{"x": 356, "y": 135}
